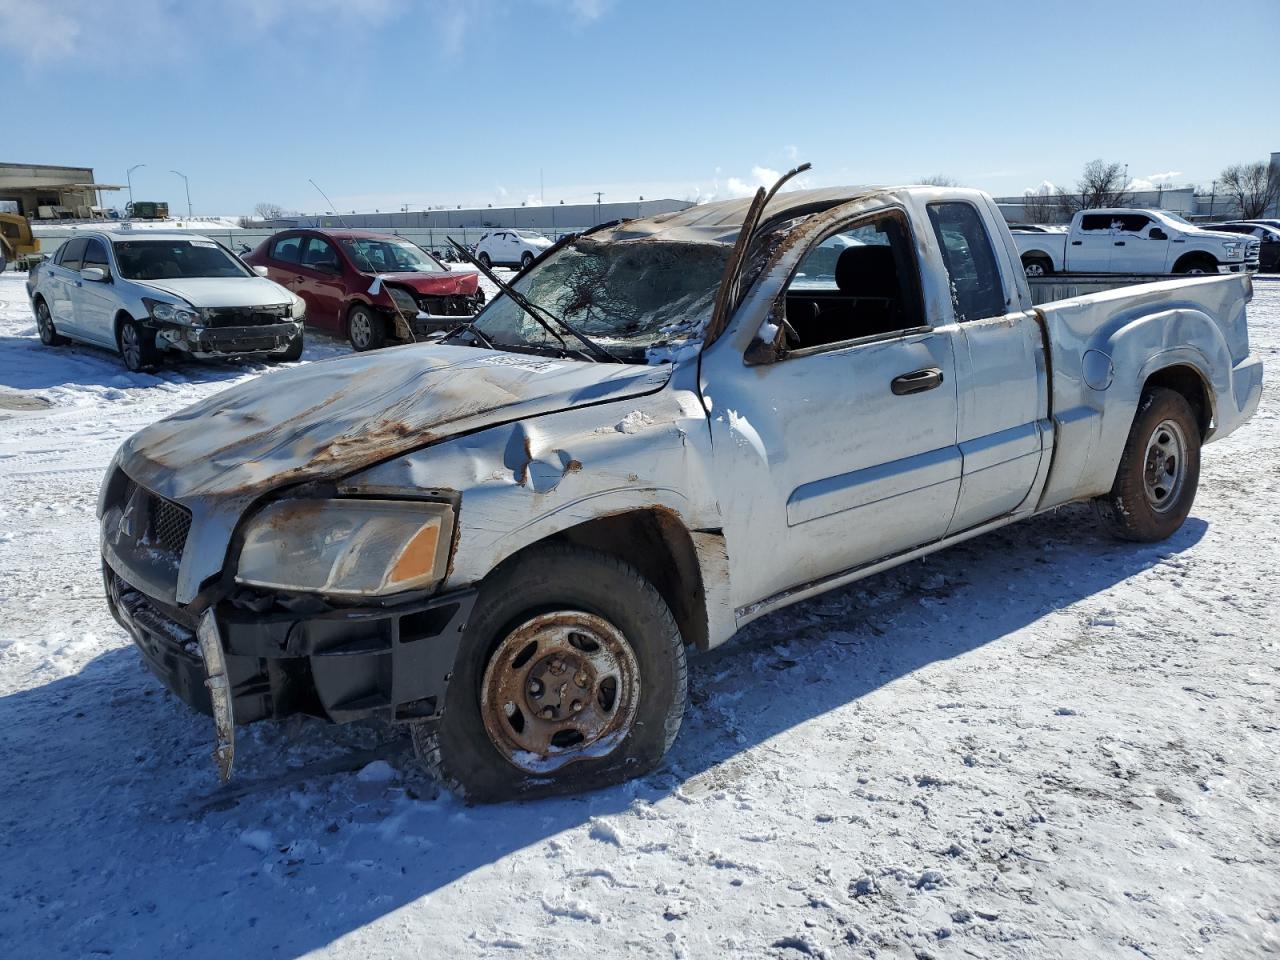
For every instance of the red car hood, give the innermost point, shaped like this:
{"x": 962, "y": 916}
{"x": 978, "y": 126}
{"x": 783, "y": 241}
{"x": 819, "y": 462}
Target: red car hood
{"x": 437, "y": 284}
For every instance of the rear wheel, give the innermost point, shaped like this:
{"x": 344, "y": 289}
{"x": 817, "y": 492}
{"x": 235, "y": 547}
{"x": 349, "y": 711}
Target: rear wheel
{"x": 571, "y": 676}
{"x": 137, "y": 346}
{"x": 49, "y": 335}
{"x": 1036, "y": 266}
{"x": 366, "y": 329}
{"x": 1159, "y": 470}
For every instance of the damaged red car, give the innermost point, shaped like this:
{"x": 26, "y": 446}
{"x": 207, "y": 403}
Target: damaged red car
{"x": 371, "y": 288}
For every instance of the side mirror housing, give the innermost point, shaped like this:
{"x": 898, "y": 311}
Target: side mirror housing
{"x": 260, "y": 270}
{"x": 94, "y": 274}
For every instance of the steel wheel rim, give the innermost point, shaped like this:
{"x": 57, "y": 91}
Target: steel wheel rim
{"x": 44, "y": 323}
{"x": 562, "y": 687}
{"x": 130, "y": 347}
{"x": 361, "y": 329}
{"x": 1164, "y": 467}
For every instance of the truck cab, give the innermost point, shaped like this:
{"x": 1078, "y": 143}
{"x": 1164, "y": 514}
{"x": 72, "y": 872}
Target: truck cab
{"x": 1131, "y": 241}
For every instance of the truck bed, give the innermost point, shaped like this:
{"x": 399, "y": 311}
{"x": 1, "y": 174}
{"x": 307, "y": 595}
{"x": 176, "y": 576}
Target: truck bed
{"x": 1067, "y": 286}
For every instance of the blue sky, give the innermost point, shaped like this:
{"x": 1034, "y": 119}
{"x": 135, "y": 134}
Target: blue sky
{"x": 385, "y": 102}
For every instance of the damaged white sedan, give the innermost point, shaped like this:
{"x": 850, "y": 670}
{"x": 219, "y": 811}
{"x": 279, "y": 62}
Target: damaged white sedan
{"x": 666, "y": 429}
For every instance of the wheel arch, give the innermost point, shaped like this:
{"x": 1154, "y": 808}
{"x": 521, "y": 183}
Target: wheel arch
{"x": 1191, "y": 257}
{"x": 1187, "y": 380}
{"x": 657, "y": 543}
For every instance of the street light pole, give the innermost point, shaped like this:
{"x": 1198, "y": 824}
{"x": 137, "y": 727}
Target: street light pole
{"x": 188, "y": 186}
{"x": 129, "y": 178}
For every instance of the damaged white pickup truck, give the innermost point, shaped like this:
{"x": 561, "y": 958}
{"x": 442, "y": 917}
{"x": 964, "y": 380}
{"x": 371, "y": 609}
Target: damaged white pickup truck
{"x": 666, "y": 429}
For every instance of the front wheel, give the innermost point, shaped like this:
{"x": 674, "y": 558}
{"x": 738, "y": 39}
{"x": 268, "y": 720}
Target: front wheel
{"x": 49, "y": 334}
{"x": 485, "y": 260}
{"x": 291, "y": 354}
{"x": 137, "y": 346}
{"x": 571, "y": 676}
{"x": 365, "y": 329}
{"x": 526, "y": 260}
{"x": 1159, "y": 471}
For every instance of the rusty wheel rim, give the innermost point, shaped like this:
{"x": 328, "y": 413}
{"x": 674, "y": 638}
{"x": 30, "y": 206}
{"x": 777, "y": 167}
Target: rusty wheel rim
{"x": 561, "y": 687}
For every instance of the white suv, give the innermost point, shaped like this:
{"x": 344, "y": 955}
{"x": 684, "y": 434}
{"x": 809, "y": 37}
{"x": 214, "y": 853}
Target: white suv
{"x": 510, "y": 248}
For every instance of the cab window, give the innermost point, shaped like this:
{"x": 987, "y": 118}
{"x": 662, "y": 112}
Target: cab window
{"x": 288, "y": 250}
{"x": 72, "y": 253}
{"x": 976, "y": 289}
{"x": 858, "y": 282}
{"x": 320, "y": 254}
{"x": 95, "y": 255}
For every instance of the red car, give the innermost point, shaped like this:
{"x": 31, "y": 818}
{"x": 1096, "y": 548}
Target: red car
{"x": 369, "y": 287}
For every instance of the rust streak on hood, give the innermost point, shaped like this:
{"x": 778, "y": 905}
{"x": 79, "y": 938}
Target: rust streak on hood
{"x": 324, "y": 420}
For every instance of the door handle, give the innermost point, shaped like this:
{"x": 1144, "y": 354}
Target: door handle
{"x": 1119, "y": 243}
{"x": 1076, "y": 243}
{"x": 916, "y": 382}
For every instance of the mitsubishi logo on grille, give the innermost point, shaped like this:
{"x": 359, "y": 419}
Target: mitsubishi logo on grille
{"x": 133, "y": 520}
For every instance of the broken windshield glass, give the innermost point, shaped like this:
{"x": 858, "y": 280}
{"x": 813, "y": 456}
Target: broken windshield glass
{"x": 634, "y": 297}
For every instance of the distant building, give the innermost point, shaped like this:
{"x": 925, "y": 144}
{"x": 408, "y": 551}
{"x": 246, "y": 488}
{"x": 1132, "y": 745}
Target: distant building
{"x": 551, "y": 218}
{"x": 46, "y": 192}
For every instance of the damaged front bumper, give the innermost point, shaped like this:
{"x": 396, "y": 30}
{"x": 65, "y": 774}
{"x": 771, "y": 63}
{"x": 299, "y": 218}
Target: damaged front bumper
{"x": 341, "y": 664}
{"x": 208, "y": 342}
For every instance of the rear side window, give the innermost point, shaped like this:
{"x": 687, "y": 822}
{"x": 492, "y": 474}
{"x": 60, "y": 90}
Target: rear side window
{"x": 73, "y": 253}
{"x": 95, "y": 254}
{"x": 976, "y": 291}
{"x": 1133, "y": 222}
{"x": 287, "y": 250}
{"x": 1096, "y": 221}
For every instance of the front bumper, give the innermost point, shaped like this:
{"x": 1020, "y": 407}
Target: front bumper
{"x": 205, "y": 342}
{"x": 341, "y": 664}
{"x": 1244, "y": 266}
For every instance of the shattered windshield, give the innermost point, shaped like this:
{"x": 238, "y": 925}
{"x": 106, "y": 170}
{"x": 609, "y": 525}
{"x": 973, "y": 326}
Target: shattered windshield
{"x": 389, "y": 256}
{"x": 643, "y": 300}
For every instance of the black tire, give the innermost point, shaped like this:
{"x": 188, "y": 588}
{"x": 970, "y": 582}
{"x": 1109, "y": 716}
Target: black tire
{"x": 540, "y": 587}
{"x": 526, "y": 260}
{"x": 366, "y": 328}
{"x": 1196, "y": 264}
{"x": 137, "y": 346}
{"x": 1144, "y": 504}
{"x": 49, "y": 334}
{"x": 1037, "y": 266}
{"x": 485, "y": 261}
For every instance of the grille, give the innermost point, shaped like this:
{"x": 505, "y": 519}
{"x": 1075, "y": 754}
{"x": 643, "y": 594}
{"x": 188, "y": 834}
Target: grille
{"x": 453, "y": 306}
{"x": 169, "y": 524}
{"x": 245, "y": 316}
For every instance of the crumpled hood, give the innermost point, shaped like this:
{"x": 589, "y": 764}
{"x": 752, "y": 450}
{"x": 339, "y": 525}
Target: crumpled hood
{"x": 324, "y": 420}
{"x": 437, "y": 284}
{"x": 223, "y": 291}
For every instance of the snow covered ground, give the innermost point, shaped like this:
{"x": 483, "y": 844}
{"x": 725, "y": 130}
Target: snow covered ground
{"x": 1039, "y": 744}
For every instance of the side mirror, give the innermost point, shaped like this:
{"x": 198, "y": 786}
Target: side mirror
{"x": 95, "y": 274}
{"x": 1157, "y": 234}
{"x": 260, "y": 270}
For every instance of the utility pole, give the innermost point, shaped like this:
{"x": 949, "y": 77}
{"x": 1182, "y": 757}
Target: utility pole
{"x": 188, "y": 186}
{"x": 129, "y": 178}
{"x": 1213, "y": 190}
{"x": 599, "y": 194}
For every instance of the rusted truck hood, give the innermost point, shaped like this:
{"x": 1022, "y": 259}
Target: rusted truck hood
{"x": 324, "y": 420}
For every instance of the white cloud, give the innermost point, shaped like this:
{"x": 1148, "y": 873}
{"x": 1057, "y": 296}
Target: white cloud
{"x": 1046, "y": 188}
{"x": 792, "y": 152}
{"x": 1153, "y": 181}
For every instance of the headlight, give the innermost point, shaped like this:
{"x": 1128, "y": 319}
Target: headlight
{"x": 299, "y": 311}
{"x": 171, "y": 312}
{"x": 347, "y": 547}
{"x": 403, "y": 299}
{"x": 1233, "y": 249}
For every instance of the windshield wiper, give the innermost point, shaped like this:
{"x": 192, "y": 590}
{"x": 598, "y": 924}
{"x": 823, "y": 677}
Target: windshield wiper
{"x": 538, "y": 312}
{"x": 471, "y": 328}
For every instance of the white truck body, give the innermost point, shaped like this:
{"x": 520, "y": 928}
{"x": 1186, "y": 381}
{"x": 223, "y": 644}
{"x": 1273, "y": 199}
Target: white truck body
{"x": 1132, "y": 241}
{"x": 761, "y": 455}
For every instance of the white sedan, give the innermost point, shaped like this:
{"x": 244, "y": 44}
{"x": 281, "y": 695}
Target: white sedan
{"x": 510, "y": 248}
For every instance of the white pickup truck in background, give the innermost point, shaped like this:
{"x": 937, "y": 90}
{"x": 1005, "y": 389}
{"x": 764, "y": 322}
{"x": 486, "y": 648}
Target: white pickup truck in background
{"x": 1126, "y": 240}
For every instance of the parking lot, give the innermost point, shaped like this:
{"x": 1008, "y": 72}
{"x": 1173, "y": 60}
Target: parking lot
{"x": 1038, "y": 743}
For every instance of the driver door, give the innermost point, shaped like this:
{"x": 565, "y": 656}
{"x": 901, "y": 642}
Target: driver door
{"x": 842, "y": 452}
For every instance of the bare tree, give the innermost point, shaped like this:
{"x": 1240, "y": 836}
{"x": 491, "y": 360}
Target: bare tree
{"x": 1039, "y": 206}
{"x": 268, "y": 211}
{"x": 1101, "y": 184}
{"x": 1253, "y": 186}
{"x": 939, "y": 180}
